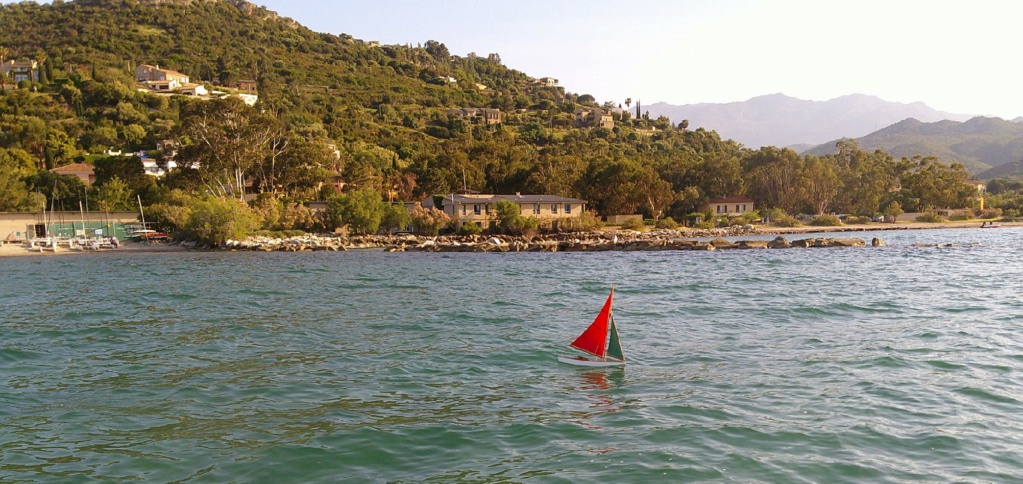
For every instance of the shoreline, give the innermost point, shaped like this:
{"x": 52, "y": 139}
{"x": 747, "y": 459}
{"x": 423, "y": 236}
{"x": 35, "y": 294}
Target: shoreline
{"x": 22, "y": 250}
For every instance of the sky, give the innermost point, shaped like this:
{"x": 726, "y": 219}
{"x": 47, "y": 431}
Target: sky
{"x": 954, "y": 56}
{"x": 958, "y": 57}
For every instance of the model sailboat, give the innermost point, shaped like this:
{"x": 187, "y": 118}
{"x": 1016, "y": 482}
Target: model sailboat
{"x": 600, "y": 340}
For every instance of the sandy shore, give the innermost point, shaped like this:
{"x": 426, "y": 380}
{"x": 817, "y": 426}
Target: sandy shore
{"x": 20, "y": 250}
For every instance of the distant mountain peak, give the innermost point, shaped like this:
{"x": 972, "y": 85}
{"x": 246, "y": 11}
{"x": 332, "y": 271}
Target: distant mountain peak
{"x": 781, "y": 120}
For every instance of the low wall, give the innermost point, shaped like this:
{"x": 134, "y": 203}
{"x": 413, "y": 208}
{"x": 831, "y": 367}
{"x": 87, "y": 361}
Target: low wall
{"x": 18, "y": 226}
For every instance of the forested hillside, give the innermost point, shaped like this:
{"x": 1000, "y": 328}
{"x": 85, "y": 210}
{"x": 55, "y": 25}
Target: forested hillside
{"x": 338, "y": 116}
{"x": 980, "y": 143}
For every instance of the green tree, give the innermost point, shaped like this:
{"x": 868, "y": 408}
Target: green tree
{"x": 114, "y": 194}
{"x": 361, "y": 210}
{"x": 396, "y": 217}
{"x": 215, "y": 220}
{"x": 223, "y": 139}
{"x": 819, "y": 185}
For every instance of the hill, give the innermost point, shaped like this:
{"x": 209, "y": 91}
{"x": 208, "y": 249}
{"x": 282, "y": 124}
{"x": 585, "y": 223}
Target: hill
{"x": 347, "y": 121}
{"x": 780, "y": 120}
{"x": 980, "y": 143}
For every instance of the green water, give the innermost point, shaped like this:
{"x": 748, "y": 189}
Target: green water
{"x": 888, "y": 364}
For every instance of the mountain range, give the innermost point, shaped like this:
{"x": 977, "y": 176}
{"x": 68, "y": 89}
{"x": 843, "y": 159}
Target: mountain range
{"x": 784, "y": 121}
{"x": 984, "y": 145}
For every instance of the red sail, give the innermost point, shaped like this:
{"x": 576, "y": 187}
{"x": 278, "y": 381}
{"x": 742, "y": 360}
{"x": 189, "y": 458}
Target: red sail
{"x": 594, "y": 339}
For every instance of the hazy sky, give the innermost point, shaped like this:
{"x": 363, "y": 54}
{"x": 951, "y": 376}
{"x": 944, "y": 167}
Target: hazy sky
{"x": 957, "y": 56}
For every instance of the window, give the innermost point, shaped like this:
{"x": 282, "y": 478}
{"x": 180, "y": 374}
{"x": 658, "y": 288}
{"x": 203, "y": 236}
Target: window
{"x": 736, "y": 208}
{"x": 554, "y": 209}
{"x": 536, "y": 209}
{"x": 568, "y": 208}
{"x": 744, "y": 207}
{"x": 476, "y": 209}
{"x": 465, "y": 210}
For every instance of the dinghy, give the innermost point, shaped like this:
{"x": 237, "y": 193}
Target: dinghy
{"x": 600, "y": 340}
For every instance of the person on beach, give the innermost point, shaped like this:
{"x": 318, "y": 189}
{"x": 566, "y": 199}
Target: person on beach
{"x": 114, "y": 242}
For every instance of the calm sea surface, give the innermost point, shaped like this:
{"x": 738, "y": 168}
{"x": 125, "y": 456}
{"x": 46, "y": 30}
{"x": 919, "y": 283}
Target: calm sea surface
{"x": 889, "y": 364}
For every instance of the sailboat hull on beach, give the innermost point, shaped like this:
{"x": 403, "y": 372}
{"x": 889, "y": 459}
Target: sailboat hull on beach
{"x": 599, "y": 340}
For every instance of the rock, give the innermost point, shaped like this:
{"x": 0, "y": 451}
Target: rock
{"x": 877, "y": 242}
{"x": 722, "y": 243}
{"x": 752, "y": 244}
{"x": 779, "y": 242}
{"x": 847, "y": 242}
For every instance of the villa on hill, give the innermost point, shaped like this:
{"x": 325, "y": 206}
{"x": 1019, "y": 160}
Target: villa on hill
{"x": 84, "y": 172}
{"x": 550, "y": 210}
{"x": 165, "y": 80}
{"x": 477, "y": 115}
{"x": 20, "y": 70}
{"x": 593, "y": 118}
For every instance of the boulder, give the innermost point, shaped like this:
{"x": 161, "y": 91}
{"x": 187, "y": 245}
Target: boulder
{"x": 779, "y": 242}
{"x": 752, "y": 244}
{"x": 877, "y": 242}
{"x": 722, "y": 243}
{"x": 847, "y": 242}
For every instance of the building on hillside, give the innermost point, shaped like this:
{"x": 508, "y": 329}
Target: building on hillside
{"x": 979, "y": 185}
{"x": 193, "y": 90}
{"x": 477, "y": 115}
{"x": 545, "y": 82}
{"x": 84, "y": 172}
{"x": 19, "y": 71}
{"x": 147, "y": 73}
{"x": 593, "y": 118}
{"x": 730, "y": 206}
{"x": 246, "y": 85}
{"x": 550, "y": 210}
{"x": 249, "y": 99}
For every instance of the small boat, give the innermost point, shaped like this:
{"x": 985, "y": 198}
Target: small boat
{"x": 989, "y": 225}
{"x": 599, "y": 340}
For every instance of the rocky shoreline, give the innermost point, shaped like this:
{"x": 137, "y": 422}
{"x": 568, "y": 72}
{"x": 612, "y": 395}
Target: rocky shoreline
{"x": 593, "y": 241}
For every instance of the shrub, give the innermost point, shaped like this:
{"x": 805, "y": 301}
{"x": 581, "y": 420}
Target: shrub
{"x": 587, "y": 221}
{"x": 429, "y": 221}
{"x": 361, "y": 210}
{"x": 214, "y": 220}
{"x": 396, "y": 217}
{"x": 470, "y": 228}
{"x": 857, "y": 219}
{"x": 633, "y": 224}
{"x": 826, "y": 220}
{"x": 930, "y": 217}
{"x": 666, "y": 223}
{"x": 785, "y": 220}
{"x": 961, "y": 216}
{"x": 991, "y": 213}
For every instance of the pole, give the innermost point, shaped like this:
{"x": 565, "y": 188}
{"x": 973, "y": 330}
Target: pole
{"x": 143, "y": 216}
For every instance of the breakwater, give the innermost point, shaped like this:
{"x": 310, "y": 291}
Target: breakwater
{"x": 593, "y": 241}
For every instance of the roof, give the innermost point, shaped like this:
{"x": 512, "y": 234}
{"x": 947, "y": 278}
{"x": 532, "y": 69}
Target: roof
{"x": 74, "y": 168}
{"x": 474, "y": 199}
{"x": 731, "y": 199}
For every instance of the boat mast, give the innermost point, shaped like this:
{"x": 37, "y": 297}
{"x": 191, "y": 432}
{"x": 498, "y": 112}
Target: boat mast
{"x": 142, "y": 215}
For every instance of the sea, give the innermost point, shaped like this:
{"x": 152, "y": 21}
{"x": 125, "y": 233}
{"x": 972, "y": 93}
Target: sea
{"x": 901, "y": 363}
